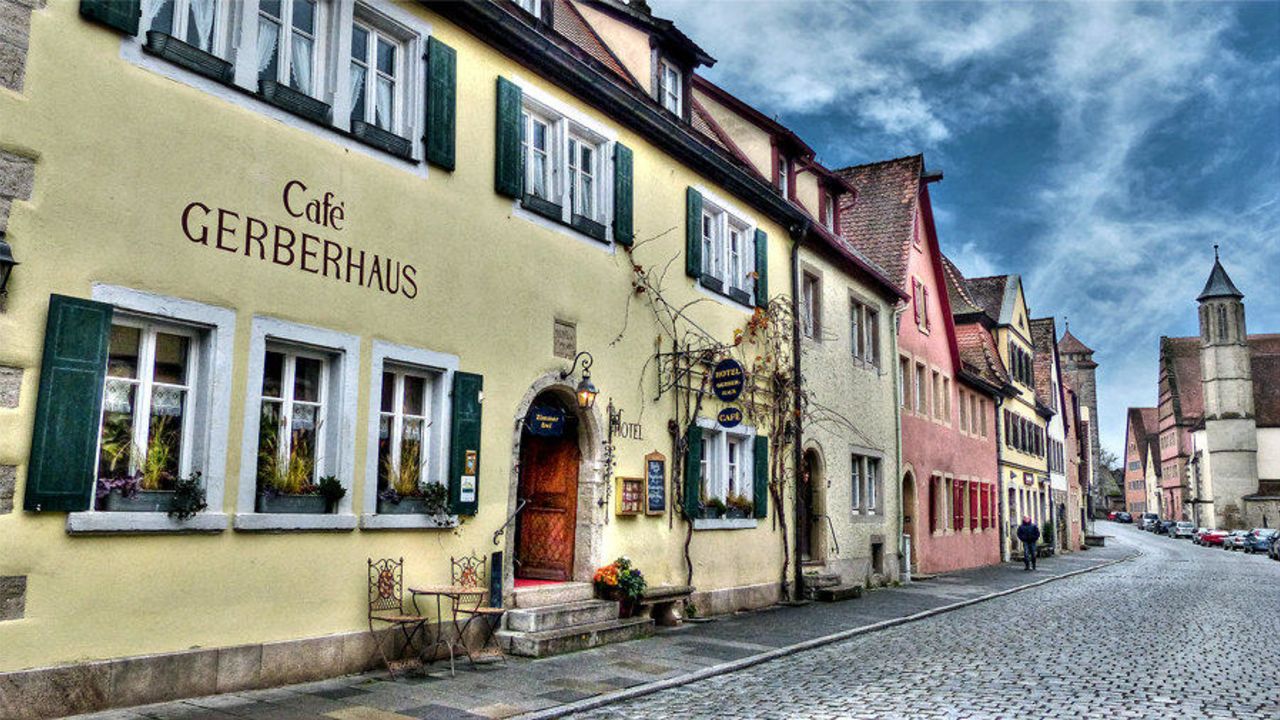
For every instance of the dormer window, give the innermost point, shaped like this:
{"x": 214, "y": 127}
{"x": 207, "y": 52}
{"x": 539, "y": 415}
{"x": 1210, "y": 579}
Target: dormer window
{"x": 784, "y": 175}
{"x": 829, "y": 210}
{"x": 671, "y": 88}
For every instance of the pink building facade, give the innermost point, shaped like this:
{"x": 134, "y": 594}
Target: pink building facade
{"x": 949, "y": 471}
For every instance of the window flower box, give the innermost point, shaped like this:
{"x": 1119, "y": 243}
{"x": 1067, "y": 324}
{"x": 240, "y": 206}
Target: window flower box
{"x": 297, "y": 504}
{"x": 545, "y": 208}
{"x": 382, "y": 139}
{"x": 295, "y": 101}
{"x": 188, "y": 56}
{"x": 589, "y": 227}
{"x": 406, "y": 506}
{"x": 138, "y": 501}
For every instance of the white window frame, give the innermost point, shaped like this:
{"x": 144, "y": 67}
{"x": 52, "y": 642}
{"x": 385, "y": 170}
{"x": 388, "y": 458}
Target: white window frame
{"x": 670, "y": 94}
{"x": 722, "y": 218}
{"x": 145, "y": 383}
{"x": 223, "y": 19}
{"x": 810, "y": 305}
{"x": 419, "y": 360}
{"x": 565, "y": 122}
{"x": 715, "y": 468}
{"x": 331, "y": 75}
{"x": 528, "y": 117}
{"x": 288, "y": 402}
{"x": 829, "y": 210}
{"x": 864, "y": 483}
{"x": 784, "y": 175}
{"x": 379, "y": 32}
{"x": 533, "y": 7}
{"x": 343, "y": 351}
{"x": 855, "y": 482}
{"x": 210, "y": 411}
{"x": 576, "y": 174}
{"x": 320, "y": 51}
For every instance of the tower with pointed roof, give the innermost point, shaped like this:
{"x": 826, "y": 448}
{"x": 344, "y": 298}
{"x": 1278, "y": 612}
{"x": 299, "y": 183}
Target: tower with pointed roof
{"x": 1079, "y": 367}
{"x": 1226, "y": 374}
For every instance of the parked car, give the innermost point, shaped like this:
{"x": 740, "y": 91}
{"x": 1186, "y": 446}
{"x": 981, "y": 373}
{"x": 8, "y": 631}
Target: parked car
{"x": 1164, "y": 526}
{"x": 1235, "y": 541}
{"x": 1182, "y": 529}
{"x": 1195, "y": 537}
{"x": 1273, "y": 552}
{"x": 1112, "y": 515}
{"x": 1123, "y": 517}
{"x": 1259, "y": 540}
{"x": 1213, "y": 537}
{"x": 1148, "y": 520}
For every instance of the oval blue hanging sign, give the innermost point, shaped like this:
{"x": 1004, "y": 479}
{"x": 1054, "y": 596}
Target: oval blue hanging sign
{"x": 729, "y": 417}
{"x": 727, "y": 378}
{"x": 545, "y": 421}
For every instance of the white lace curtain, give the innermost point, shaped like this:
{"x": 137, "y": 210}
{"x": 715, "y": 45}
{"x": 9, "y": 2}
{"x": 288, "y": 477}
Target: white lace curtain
{"x": 201, "y": 21}
{"x": 300, "y": 66}
{"x": 268, "y": 34}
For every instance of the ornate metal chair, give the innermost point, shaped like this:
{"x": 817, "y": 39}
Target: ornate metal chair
{"x": 470, "y": 575}
{"x": 386, "y": 607}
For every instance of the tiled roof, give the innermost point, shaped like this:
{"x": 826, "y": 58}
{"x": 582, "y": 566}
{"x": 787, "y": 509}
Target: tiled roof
{"x": 979, "y": 355}
{"x": 1071, "y": 344}
{"x": 568, "y": 22}
{"x": 1219, "y": 283}
{"x": 881, "y": 221}
{"x": 1182, "y": 357}
{"x": 1145, "y": 423}
{"x": 1043, "y": 334}
{"x": 988, "y": 293}
{"x": 962, "y": 303}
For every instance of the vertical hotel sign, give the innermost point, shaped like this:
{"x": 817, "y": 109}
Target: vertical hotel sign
{"x": 310, "y": 246}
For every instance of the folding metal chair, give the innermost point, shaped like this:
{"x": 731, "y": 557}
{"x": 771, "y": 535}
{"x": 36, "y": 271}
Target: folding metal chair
{"x": 386, "y": 606}
{"x": 469, "y": 575}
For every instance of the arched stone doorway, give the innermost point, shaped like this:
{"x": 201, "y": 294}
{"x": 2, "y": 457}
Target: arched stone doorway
{"x": 810, "y": 523}
{"x": 558, "y": 534}
{"x": 909, "y": 514}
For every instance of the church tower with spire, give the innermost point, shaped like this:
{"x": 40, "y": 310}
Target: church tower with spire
{"x": 1231, "y": 432}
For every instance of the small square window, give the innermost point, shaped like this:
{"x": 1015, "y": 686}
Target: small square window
{"x": 200, "y": 23}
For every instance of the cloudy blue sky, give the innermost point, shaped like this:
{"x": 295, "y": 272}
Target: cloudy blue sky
{"x": 1100, "y": 150}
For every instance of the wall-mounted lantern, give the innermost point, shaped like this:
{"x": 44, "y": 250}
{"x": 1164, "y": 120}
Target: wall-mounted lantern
{"x": 7, "y": 264}
{"x": 586, "y": 391}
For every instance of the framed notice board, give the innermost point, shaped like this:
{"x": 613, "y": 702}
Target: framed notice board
{"x": 630, "y": 496}
{"x": 655, "y": 483}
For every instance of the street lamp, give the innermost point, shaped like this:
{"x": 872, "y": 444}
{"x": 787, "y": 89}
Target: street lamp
{"x": 7, "y": 264}
{"x": 586, "y": 391}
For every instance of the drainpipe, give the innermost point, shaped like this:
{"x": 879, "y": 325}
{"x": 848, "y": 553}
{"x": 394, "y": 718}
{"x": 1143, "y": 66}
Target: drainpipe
{"x": 1000, "y": 490}
{"x": 797, "y": 451}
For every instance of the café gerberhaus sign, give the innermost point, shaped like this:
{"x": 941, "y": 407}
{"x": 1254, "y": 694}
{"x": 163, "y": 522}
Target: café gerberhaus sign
{"x": 311, "y": 246}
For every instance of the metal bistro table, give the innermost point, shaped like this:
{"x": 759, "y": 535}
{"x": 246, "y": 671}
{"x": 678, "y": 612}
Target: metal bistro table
{"x": 454, "y": 593}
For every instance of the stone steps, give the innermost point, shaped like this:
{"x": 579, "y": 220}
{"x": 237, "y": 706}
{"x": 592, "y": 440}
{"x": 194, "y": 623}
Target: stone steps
{"x": 837, "y": 593}
{"x": 554, "y": 594}
{"x": 573, "y": 638}
{"x": 553, "y": 617}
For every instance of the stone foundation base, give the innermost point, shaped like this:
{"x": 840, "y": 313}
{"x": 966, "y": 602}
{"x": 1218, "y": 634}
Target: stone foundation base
{"x": 121, "y": 682}
{"x": 745, "y": 597}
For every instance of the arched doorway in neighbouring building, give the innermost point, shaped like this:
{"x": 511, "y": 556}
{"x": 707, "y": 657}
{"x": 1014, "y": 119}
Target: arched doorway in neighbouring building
{"x": 909, "y": 517}
{"x": 810, "y": 521}
{"x": 550, "y": 459}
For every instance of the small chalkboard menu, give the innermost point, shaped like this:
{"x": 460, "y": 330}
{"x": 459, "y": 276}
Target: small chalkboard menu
{"x": 655, "y": 480}
{"x": 630, "y": 496}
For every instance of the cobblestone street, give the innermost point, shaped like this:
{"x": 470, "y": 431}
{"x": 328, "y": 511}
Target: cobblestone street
{"x": 1180, "y": 632}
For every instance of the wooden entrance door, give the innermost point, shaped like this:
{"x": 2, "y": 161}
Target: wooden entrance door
{"x": 549, "y": 482}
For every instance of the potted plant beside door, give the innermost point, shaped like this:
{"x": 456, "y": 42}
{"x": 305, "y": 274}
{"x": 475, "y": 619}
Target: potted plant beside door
{"x": 622, "y": 582}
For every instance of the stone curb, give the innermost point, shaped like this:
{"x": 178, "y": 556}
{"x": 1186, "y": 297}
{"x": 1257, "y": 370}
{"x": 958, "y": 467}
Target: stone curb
{"x": 560, "y": 711}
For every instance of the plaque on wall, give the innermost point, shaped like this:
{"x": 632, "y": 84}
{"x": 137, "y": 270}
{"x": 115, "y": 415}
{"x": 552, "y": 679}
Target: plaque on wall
{"x": 655, "y": 481}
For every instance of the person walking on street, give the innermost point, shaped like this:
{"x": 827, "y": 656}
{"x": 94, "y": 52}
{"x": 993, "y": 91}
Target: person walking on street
{"x": 1029, "y": 534}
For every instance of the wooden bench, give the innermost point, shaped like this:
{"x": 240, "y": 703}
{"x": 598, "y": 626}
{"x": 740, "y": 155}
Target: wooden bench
{"x": 660, "y": 602}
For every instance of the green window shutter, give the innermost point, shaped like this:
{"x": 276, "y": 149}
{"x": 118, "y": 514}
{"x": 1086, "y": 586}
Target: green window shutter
{"x": 760, "y": 489}
{"x": 762, "y": 269}
{"x": 122, "y": 15}
{"x": 464, "y": 444}
{"x": 69, "y": 406}
{"x": 693, "y": 472}
{"x": 442, "y": 92}
{"x": 693, "y": 233}
{"x": 623, "y": 227}
{"x": 508, "y": 174}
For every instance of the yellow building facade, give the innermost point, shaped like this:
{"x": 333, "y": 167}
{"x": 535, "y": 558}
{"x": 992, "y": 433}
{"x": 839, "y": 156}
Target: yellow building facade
{"x": 272, "y": 273}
